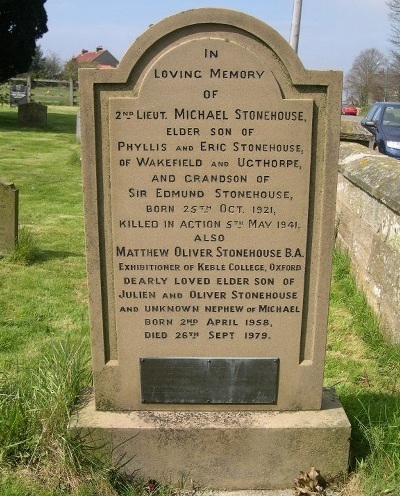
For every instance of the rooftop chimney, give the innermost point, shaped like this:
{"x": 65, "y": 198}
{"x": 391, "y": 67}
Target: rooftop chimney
{"x": 84, "y": 50}
{"x": 99, "y": 48}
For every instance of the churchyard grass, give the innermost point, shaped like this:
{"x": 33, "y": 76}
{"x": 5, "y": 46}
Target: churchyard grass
{"x": 44, "y": 338}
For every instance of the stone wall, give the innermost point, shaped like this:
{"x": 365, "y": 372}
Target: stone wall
{"x": 368, "y": 220}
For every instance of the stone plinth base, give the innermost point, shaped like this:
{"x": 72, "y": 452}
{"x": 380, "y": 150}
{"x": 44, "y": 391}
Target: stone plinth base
{"x": 222, "y": 450}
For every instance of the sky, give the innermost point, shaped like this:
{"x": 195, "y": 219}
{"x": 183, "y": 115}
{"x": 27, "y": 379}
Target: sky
{"x": 332, "y": 34}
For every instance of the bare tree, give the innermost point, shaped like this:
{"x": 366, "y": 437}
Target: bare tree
{"x": 394, "y": 16}
{"x": 392, "y": 80}
{"x": 392, "y": 85}
{"x": 49, "y": 66}
{"x": 366, "y": 78}
{"x": 52, "y": 66}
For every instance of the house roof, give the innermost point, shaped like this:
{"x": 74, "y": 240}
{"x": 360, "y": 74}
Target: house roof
{"x": 86, "y": 57}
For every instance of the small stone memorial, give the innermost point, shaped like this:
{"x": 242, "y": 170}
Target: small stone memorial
{"x": 32, "y": 115}
{"x": 8, "y": 217}
{"x": 210, "y": 160}
{"x": 18, "y": 94}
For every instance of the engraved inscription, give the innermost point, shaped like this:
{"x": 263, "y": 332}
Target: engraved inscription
{"x": 210, "y": 204}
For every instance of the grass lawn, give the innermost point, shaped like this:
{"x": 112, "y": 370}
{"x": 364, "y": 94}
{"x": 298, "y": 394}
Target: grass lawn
{"x": 44, "y": 338}
{"x": 45, "y": 301}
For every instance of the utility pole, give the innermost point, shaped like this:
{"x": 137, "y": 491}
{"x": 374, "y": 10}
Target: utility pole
{"x": 295, "y": 30}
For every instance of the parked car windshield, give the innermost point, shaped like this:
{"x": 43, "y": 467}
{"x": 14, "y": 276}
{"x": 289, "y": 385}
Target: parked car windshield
{"x": 391, "y": 117}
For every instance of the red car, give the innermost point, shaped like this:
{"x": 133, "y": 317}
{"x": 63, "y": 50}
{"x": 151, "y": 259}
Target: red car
{"x": 349, "y": 110}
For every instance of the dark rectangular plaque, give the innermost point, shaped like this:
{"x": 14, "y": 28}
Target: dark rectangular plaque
{"x": 209, "y": 380}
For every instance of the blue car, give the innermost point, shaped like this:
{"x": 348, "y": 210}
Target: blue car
{"x": 383, "y": 121}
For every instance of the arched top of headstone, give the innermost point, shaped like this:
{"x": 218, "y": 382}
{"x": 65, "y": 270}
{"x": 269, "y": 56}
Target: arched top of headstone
{"x": 206, "y": 20}
{"x": 249, "y": 33}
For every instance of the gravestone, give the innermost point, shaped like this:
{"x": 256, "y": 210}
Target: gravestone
{"x": 78, "y": 125}
{"x": 8, "y": 217}
{"x": 32, "y": 115}
{"x": 18, "y": 94}
{"x": 210, "y": 162}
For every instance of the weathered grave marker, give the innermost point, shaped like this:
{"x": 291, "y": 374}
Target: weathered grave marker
{"x": 210, "y": 164}
{"x": 8, "y": 216}
{"x": 18, "y": 94}
{"x": 32, "y": 115}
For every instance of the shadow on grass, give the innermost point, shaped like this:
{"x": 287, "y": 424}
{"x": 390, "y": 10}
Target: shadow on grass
{"x": 8, "y": 120}
{"x": 56, "y": 123}
{"x": 375, "y": 422}
{"x": 39, "y": 256}
{"x": 27, "y": 251}
{"x": 47, "y": 255}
